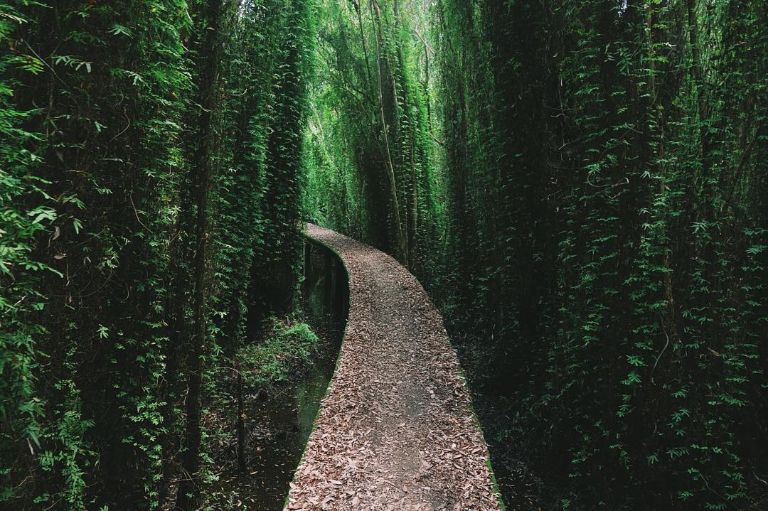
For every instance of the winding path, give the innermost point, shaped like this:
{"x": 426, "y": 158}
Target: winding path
{"x": 396, "y": 429}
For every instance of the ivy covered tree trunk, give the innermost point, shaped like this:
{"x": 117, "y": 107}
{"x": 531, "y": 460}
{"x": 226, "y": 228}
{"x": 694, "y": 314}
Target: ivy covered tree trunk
{"x": 98, "y": 86}
{"x": 274, "y": 274}
{"x": 201, "y": 167}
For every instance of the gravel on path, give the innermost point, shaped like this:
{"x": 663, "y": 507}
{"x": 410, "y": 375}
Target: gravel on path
{"x": 396, "y": 430}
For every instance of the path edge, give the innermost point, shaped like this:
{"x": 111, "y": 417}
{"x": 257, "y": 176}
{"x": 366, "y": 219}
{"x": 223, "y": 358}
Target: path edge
{"x": 310, "y": 239}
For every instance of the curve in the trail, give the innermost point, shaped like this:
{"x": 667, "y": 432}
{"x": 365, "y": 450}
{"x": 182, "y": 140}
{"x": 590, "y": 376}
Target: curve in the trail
{"x": 396, "y": 430}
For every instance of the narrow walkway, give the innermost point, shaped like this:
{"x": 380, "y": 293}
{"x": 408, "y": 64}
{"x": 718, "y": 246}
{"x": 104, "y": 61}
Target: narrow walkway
{"x": 396, "y": 430}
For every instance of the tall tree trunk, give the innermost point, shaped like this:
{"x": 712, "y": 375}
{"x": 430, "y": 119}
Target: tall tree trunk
{"x": 202, "y": 167}
{"x": 668, "y": 322}
{"x": 402, "y": 243}
{"x": 700, "y": 92}
{"x": 241, "y": 436}
{"x": 358, "y": 11}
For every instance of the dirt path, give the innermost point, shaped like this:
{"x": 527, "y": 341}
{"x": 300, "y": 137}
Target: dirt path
{"x": 396, "y": 430}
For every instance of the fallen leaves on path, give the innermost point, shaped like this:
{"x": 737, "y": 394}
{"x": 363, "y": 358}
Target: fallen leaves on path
{"x": 396, "y": 430}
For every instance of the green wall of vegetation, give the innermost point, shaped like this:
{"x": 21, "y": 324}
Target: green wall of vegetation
{"x": 138, "y": 250}
{"x": 590, "y": 183}
{"x": 580, "y": 184}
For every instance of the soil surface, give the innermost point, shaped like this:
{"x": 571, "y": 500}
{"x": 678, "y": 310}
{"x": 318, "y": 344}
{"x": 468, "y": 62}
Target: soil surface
{"x": 396, "y": 430}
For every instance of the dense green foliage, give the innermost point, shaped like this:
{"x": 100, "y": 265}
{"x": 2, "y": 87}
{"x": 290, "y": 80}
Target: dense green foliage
{"x": 370, "y": 157}
{"x": 147, "y": 171}
{"x": 582, "y": 185}
{"x": 286, "y": 346}
{"x": 601, "y": 252}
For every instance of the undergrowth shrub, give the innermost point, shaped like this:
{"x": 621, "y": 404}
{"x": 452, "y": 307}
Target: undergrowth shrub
{"x": 288, "y": 344}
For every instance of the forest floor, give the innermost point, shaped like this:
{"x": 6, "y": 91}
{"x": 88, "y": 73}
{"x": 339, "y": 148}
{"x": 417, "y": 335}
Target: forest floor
{"x": 279, "y": 419}
{"x": 396, "y": 430}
